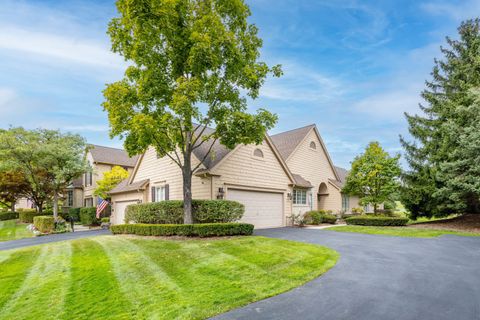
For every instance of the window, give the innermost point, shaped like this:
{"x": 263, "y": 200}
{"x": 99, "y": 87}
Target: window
{"x": 88, "y": 202}
{"x": 70, "y": 198}
{"x": 313, "y": 145}
{"x": 258, "y": 153}
{"x": 345, "y": 202}
{"x": 160, "y": 193}
{"x": 88, "y": 178}
{"x": 299, "y": 196}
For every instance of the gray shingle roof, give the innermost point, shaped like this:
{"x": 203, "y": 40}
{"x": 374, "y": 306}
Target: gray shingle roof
{"x": 218, "y": 152}
{"x": 125, "y": 187}
{"x": 286, "y": 142}
{"x": 113, "y": 156}
{"x": 301, "y": 182}
{"x": 342, "y": 175}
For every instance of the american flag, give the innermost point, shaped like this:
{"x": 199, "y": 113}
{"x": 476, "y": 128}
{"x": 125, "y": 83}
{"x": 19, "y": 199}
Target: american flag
{"x": 102, "y": 204}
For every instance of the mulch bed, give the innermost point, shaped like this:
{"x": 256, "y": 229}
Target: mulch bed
{"x": 467, "y": 222}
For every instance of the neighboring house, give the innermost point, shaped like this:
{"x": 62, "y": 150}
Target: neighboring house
{"x": 288, "y": 173}
{"x": 24, "y": 203}
{"x": 101, "y": 159}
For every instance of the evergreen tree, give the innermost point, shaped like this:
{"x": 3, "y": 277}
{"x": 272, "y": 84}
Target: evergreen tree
{"x": 437, "y": 152}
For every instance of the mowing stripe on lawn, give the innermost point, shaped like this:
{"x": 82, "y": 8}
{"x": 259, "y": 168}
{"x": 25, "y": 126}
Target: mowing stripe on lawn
{"x": 143, "y": 283}
{"x": 45, "y": 285}
{"x": 14, "y": 267}
{"x": 94, "y": 290}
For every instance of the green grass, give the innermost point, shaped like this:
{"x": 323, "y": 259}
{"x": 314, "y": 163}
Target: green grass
{"x": 426, "y": 220}
{"x": 401, "y": 231}
{"x": 12, "y": 230}
{"x": 116, "y": 277}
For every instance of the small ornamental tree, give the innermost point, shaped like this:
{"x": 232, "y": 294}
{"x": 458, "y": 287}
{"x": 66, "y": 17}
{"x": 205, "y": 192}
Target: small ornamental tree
{"x": 110, "y": 180}
{"x": 191, "y": 62}
{"x": 374, "y": 176}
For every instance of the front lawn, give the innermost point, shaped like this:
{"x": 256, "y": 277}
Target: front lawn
{"x": 401, "y": 231}
{"x": 12, "y": 230}
{"x": 119, "y": 277}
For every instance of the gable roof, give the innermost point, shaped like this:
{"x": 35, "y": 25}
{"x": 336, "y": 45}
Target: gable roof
{"x": 286, "y": 142}
{"x": 342, "y": 176}
{"x": 218, "y": 152}
{"x": 108, "y": 155}
{"x": 124, "y": 186}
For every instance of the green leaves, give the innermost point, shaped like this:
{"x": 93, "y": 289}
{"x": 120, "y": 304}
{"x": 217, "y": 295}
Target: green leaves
{"x": 373, "y": 176}
{"x": 443, "y": 157}
{"x": 109, "y": 181}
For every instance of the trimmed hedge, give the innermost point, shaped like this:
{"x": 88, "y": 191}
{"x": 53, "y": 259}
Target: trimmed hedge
{"x": 187, "y": 230}
{"x": 9, "y": 215}
{"x": 88, "y": 216}
{"x": 27, "y": 216}
{"x": 73, "y": 213}
{"x": 171, "y": 212}
{"x": 319, "y": 216}
{"x": 377, "y": 221}
{"x": 44, "y": 224}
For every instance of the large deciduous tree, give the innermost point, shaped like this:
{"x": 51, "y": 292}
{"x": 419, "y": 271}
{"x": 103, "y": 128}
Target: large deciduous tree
{"x": 192, "y": 64}
{"x": 13, "y": 186}
{"x": 109, "y": 181}
{"x": 374, "y": 176}
{"x": 48, "y": 159}
{"x": 443, "y": 174}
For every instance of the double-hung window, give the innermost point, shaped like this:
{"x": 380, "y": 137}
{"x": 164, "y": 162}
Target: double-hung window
{"x": 160, "y": 193}
{"x": 70, "y": 198}
{"x": 299, "y": 196}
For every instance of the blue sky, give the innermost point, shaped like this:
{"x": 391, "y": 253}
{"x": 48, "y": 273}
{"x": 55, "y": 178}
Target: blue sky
{"x": 351, "y": 67}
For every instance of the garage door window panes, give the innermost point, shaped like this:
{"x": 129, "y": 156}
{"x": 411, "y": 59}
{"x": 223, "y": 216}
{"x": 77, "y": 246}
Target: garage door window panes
{"x": 299, "y": 196}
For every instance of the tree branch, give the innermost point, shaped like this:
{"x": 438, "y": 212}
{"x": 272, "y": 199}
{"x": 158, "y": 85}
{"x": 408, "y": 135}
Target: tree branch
{"x": 205, "y": 156}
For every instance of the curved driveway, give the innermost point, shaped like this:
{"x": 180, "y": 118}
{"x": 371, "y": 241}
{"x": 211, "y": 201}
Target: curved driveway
{"x": 381, "y": 277}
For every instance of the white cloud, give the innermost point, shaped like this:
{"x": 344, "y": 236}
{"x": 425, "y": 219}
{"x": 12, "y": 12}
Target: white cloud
{"x": 300, "y": 83}
{"x": 456, "y": 11}
{"x": 79, "y": 51}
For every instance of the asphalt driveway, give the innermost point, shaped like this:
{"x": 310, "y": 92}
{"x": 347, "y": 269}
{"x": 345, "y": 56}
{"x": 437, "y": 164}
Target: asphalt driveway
{"x": 381, "y": 277}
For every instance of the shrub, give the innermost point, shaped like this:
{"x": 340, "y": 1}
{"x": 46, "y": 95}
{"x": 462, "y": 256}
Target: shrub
{"x": 187, "y": 230}
{"x": 44, "y": 224}
{"x": 319, "y": 216}
{"x": 357, "y": 210}
{"x": 88, "y": 216}
{"x": 27, "y": 216}
{"x": 171, "y": 212}
{"x": 377, "y": 221}
{"x": 73, "y": 213}
{"x": 9, "y": 215}
{"x": 105, "y": 220}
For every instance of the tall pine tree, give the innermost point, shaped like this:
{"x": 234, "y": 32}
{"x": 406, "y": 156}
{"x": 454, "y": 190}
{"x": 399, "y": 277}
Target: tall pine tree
{"x": 438, "y": 181}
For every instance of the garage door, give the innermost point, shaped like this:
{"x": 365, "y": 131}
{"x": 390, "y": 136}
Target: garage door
{"x": 119, "y": 212}
{"x": 262, "y": 209}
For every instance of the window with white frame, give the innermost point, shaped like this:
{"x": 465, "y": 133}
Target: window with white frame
{"x": 345, "y": 202}
{"x": 299, "y": 196}
{"x": 160, "y": 193}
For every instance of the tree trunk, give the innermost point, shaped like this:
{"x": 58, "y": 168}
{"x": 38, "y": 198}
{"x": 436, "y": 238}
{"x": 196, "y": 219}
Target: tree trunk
{"x": 375, "y": 206}
{"x": 187, "y": 181}
{"x": 55, "y": 205}
{"x": 39, "y": 207}
{"x": 12, "y": 206}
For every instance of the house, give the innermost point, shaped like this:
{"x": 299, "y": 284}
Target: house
{"x": 287, "y": 173}
{"x": 101, "y": 159}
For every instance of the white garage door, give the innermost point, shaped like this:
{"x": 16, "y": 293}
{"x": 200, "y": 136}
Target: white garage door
{"x": 262, "y": 209}
{"x": 119, "y": 211}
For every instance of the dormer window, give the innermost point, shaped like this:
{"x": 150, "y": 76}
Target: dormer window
{"x": 313, "y": 145}
{"x": 258, "y": 153}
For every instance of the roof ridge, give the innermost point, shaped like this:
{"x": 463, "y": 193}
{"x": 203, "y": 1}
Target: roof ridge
{"x": 310, "y": 125}
{"x": 97, "y": 145}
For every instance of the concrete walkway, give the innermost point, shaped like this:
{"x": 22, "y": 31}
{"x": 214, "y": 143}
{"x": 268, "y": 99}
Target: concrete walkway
{"x": 380, "y": 278}
{"x": 27, "y": 242}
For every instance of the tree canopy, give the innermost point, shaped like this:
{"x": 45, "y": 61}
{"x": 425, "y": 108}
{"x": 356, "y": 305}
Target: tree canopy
{"x": 48, "y": 159}
{"x": 13, "y": 186}
{"x": 110, "y": 180}
{"x": 443, "y": 157}
{"x": 193, "y": 63}
{"x": 374, "y": 176}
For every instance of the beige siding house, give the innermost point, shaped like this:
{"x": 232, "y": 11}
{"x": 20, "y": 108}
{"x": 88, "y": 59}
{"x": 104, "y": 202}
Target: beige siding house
{"x": 100, "y": 159}
{"x": 287, "y": 173}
